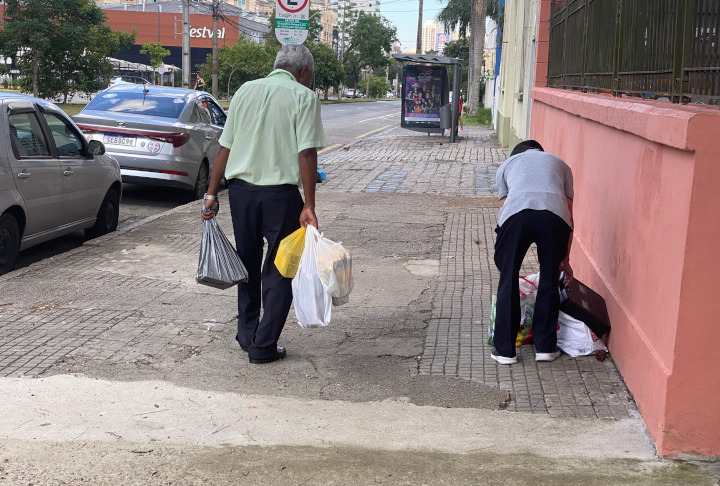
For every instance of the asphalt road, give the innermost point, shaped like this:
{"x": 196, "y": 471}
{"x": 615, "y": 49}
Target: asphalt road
{"x": 343, "y": 123}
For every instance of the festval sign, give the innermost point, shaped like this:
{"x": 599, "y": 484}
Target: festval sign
{"x": 291, "y": 21}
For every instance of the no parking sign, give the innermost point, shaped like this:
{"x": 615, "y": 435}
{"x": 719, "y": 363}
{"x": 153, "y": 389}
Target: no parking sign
{"x": 291, "y": 21}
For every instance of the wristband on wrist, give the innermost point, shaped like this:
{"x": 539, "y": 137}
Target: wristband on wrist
{"x": 211, "y": 197}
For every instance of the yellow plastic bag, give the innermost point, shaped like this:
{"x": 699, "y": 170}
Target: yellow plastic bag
{"x": 289, "y": 253}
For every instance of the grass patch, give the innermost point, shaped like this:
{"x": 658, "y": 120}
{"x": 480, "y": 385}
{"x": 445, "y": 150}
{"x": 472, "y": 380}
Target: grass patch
{"x": 71, "y": 108}
{"x": 483, "y": 117}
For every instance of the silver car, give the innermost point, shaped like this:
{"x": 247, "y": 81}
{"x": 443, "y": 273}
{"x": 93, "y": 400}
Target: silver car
{"x": 159, "y": 135}
{"x": 52, "y": 180}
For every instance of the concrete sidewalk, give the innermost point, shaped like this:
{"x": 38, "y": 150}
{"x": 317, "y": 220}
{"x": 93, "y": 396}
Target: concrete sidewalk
{"x": 118, "y": 369}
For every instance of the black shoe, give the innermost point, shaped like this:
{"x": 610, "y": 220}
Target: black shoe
{"x": 280, "y": 353}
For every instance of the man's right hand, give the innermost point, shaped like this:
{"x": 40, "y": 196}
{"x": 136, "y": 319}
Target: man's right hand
{"x": 565, "y": 267}
{"x": 211, "y": 209}
{"x": 307, "y": 216}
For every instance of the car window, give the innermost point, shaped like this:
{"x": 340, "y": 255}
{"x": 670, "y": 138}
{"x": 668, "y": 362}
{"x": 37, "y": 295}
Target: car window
{"x": 152, "y": 103}
{"x": 201, "y": 112}
{"x": 67, "y": 140}
{"x": 218, "y": 114}
{"x": 26, "y": 136}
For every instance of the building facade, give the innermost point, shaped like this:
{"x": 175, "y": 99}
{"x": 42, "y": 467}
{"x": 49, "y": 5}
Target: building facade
{"x": 430, "y": 29}
{"x": 162, "y": 22}
{"x": 645, "y": 236}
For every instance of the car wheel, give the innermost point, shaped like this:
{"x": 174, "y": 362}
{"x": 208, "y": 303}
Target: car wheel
{"x": 107, "y": 217}
{"x": 9, "y": 243}
{"x": 201, "y": 183}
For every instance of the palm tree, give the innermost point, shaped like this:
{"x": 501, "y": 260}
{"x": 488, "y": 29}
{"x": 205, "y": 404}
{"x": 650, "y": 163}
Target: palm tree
{"x": 477, "y": 48}
{"x": 470, "y": 15}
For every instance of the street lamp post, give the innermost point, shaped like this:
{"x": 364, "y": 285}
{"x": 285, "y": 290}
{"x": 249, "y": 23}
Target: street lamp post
{"x": 186, "y": 44}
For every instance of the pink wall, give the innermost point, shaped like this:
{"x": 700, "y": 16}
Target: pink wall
{"x": 647, "y": 214}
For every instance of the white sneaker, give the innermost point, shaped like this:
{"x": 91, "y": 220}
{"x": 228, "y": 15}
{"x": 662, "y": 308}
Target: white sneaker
{"x": 502, "y": 359}
{"x": 548, "y": 356}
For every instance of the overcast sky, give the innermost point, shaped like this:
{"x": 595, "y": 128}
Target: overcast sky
{"x": 403, "y": 14}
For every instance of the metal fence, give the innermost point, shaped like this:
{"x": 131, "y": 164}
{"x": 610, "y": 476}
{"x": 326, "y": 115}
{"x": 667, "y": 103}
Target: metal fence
{"x": 648, "y": 48}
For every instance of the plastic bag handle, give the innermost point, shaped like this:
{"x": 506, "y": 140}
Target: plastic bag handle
{"x": 528, "y": 281}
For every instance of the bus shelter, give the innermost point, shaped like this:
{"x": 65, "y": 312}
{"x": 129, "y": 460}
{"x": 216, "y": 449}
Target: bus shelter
{"x": 426, "y": 106}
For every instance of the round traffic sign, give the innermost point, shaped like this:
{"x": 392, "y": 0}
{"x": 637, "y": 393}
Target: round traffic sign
{"x": 292, "y": 6}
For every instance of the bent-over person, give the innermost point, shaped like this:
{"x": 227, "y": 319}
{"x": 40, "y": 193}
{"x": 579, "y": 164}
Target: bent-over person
{"x": 537, "y": 192}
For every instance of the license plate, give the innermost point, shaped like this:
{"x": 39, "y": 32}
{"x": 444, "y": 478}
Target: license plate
{"x": 124, "y": 140}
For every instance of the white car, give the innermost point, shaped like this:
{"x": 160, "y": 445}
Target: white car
{"x": 128, "y": 80}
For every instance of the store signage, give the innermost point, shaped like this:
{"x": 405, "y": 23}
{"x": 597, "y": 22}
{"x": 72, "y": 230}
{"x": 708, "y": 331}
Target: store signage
{"x": 206, "y": 33}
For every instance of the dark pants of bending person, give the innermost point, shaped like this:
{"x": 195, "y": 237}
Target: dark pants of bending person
{"x": 550, "y": 234}
{"x": 270, "y": 212}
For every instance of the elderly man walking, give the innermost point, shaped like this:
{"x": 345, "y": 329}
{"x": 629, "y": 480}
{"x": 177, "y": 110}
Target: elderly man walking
{"x": 537, "y": 192}
{"x": 269, "y": 149}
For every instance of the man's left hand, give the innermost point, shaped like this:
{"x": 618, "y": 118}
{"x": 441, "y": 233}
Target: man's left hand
{"x": 307, "y": 216}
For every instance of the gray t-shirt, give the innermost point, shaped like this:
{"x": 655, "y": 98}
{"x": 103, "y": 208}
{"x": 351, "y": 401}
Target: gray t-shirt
{"x": 535, "y": 180}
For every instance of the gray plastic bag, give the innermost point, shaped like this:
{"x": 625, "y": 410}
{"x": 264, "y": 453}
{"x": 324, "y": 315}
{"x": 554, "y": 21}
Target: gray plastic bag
{"x": 219, "y": 265}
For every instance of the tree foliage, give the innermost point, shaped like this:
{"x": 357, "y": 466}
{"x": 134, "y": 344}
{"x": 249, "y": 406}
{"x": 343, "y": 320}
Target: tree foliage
{"x": 155, "y": 52}
{"x": 371, "y": 38}
{"x": 328, "y": 68}
{"x": 379, "y": 86}
{"x": 242, "y": 62}
{"x": 459, "y": 49}
{"x": 456, "y": 14}
{"x": 470, "y": 15}
{"x": 63, "y": 45}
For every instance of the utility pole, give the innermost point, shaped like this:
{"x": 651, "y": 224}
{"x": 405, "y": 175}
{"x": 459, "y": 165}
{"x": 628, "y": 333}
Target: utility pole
{"x": 216, "y": 14}
{"x": 418, "y": 46}
{"x": 186, "y": 44}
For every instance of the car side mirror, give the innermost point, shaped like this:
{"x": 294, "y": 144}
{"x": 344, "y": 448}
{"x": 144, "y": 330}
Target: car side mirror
{"x": 96, "y": 147}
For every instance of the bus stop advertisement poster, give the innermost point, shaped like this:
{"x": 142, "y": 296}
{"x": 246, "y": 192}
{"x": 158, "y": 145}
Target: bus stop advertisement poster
{"x": 425, "y": 90}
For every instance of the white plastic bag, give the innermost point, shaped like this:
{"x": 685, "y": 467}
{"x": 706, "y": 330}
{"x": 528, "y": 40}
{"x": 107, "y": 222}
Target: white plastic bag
{"x": 313, "y": 303}
{"x": 575, "y": 338}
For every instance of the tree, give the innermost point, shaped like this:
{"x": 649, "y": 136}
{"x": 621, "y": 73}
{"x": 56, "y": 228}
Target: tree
{"x": 456, "y": 14}
{"x": 64, "y": 44}
{"x": 477, "y": 51}
{"x": 244, "y": 61}
{"x": 156, "y": 52}
{"x": 379, "y": 87}
{"x": 370, "y": 41}
{"x": 459, "y": 49}
{"x": 470, "y": 14}
{"x": 328, "y": 68}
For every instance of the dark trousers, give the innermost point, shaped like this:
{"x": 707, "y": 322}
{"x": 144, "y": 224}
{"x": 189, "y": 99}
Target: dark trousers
{"x": 270, "y": 212}
{"x": 550, "y": 233}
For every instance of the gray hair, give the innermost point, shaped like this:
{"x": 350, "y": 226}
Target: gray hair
{"x": 294, "y": 56}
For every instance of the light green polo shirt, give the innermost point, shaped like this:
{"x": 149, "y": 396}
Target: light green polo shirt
{"x": 270, "y": 121}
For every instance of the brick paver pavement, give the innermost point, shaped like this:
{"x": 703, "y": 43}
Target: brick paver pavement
{"x": 401, "y": 161}
{"x": 34, "y": 338}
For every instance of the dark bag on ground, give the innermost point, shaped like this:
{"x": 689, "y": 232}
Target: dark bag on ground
{"x": 584, "y": 304}
{"x": 219, "y": 265}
